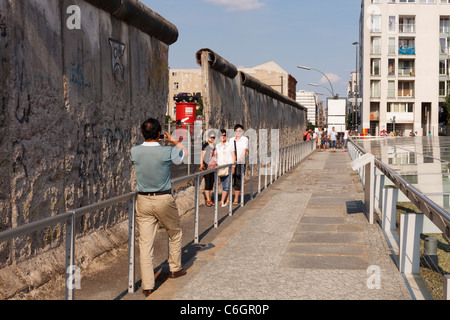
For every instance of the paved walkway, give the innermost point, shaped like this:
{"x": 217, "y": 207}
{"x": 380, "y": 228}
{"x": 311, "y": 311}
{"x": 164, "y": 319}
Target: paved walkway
{"x": 304, "y": 238}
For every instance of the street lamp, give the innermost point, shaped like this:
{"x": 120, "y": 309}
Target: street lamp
{"x": 318, "y": 85}
{"x": 326, "y": 77}
{"x": 356, "y": 109}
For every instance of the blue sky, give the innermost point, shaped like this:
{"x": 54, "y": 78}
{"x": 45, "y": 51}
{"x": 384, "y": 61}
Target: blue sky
{"x": 318, "y": 34}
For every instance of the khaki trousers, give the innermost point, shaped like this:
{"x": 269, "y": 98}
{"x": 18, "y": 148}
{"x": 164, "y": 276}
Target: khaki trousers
{"x": 150, "y": 210}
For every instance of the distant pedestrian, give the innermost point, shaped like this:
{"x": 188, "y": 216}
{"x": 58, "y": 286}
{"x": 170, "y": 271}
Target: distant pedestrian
{"x": 240, "y": 146}
{"x": 319, "y": 138}
{"x": 333, "y": 139}
{"x": 346, "y": 136}
{"x": 154, "y": 204}
{"x": 224, "y": 157}
{"x": 324, "y": 139}
{"x": 209, "y": 161}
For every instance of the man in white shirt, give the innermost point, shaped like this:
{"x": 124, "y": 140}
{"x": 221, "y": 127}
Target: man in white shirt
{"x": 240, "y": 145}
{"x": 333, "y": 138}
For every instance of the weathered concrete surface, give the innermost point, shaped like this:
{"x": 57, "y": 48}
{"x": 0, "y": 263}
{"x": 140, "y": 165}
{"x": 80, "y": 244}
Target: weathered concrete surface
{"x": 228, "y": 102}
{"x": 71, "y": 104}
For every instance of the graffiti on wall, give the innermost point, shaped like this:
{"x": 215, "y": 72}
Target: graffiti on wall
{"x": 117, "y": 53}
{"x": 2, "y": 25}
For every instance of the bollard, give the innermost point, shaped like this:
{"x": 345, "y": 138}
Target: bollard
{"x": 411, "y": 225}
{"x": 430, "y": 252}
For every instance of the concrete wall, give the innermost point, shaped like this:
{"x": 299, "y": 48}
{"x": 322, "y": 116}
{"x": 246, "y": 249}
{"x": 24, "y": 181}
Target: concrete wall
{"x": 71, "y": 104}
{"x": 232, "y": 97}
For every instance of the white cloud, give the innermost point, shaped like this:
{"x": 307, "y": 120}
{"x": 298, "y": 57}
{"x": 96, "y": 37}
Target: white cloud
{"x": 334, "y": 78}
{"x": 238, "y": 5}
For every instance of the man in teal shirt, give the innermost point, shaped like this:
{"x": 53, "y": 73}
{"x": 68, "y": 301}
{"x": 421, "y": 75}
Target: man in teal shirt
{"x": 152, "y": 163}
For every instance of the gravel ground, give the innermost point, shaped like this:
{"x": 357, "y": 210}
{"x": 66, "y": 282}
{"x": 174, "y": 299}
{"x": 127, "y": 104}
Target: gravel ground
{"x": 433, "y": 277}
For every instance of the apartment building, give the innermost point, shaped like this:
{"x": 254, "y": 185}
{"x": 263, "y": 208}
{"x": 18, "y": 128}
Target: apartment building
{"x": 405, "y": 72}
{"x": 310, "y": 101}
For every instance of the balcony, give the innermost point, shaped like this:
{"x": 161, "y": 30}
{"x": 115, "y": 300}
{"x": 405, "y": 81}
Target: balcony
{"x": 375, "y": 116}
{"x": 407, "y": 28}
{"x": 410, "y": 51}
{"x": 407, "y": 72}
{"x": 401, "y": 117}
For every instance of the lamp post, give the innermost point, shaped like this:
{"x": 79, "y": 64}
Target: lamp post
{"x": 356, "y": 109}
{"x": 326, "y": 77}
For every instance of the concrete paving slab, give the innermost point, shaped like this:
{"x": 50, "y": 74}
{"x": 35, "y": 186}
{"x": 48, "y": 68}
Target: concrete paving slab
{"x": 325, "y": 262}
{"x": 324, "y": 237}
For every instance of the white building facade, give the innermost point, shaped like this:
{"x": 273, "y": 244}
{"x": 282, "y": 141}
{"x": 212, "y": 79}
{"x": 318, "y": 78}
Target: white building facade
{"x": 405, "y": 64}
{"x": 310, "y": 101}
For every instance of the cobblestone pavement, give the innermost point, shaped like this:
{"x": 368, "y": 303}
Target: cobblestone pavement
{"x": 304, "y": 238}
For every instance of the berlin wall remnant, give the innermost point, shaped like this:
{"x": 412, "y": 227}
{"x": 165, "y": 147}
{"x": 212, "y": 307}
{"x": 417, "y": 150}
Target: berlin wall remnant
{"x": 232, "y": 97}
{"x": 71, "y": 101}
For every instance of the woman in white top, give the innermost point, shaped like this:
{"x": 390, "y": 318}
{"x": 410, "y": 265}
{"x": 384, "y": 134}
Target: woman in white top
{"x": 224, "y": 157}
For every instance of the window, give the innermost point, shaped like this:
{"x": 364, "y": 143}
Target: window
{"x": 391, "y": 89}
{"x": 400, "y": 107}
{"x": 375, "y": 67}
{"x": 444, "y": 46}
{"x": 391, "y": 46}
{"x": 376, "y": 45}
{"x": 391, "y": 70}
{"x": 443, "y": 67}
{"x": 375, "y": 23}
{"x": 392, "y": 24}
{"x": 444, "y": 88}
{"x": 444, "y": 25}
{"x": 406, "y": 68}
{"x": 407, "y": 24}
{"x": 375, "y": 89}
{"x": 407, "y": 46}
{"x": 406, "y": 89}
{"x": 176, "y": 86}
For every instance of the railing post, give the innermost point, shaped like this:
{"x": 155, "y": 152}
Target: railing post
{"x": 265, "y": 171}
{"x": 251, "y": 180}
{"x": 379, "y": 190}
{"x": 216, "y": 199}
{"x": 230, "y": 196}
{"x": 196, "y": 218}
{"x": 259, "y": 173}
{"x": 411, "y": 225}
{"x": 132, "y": 246}
{"x": 389, "y": 218}
{"x": 70, "y": 257}
{"x": 271, "y": 167}
{"x": 242, "y": 182}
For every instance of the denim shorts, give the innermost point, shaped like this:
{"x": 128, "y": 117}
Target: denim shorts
{"x": 225, "y": 183}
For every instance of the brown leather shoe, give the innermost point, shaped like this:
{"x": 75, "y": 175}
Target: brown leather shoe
{"x": 147, "y": 292}
{"x": 174, "y": 275}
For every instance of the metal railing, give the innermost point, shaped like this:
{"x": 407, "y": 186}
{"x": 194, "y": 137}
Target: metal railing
{"x": 410, "y": 225}
{"x": 281, "y": 161}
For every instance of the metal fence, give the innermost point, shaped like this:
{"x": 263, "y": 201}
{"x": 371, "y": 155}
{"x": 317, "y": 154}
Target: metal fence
{"x": 280, "y": 162}
{"x": 407, "y": 241}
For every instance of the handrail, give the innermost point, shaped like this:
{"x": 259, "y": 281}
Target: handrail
{"x": 434, "y": 212}
{"x": 285, "y": 159}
